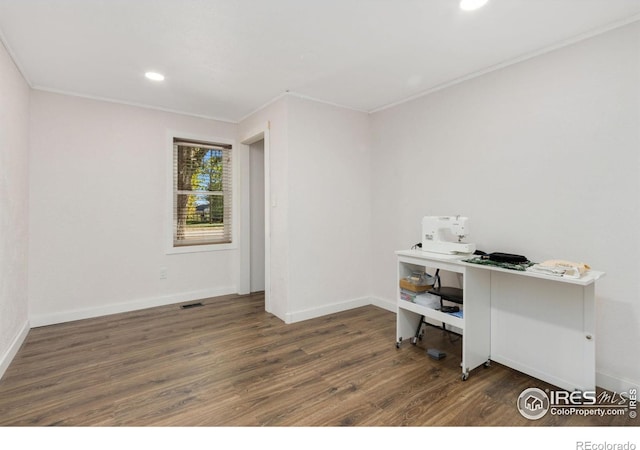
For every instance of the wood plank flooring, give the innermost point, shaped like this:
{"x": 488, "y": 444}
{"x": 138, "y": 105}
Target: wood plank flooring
{"x": 229, "y": 363}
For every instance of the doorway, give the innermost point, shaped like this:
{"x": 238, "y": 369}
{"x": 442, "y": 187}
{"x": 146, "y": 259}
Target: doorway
{"x": 256, "y": 225}
{"x": 255, "y": 252}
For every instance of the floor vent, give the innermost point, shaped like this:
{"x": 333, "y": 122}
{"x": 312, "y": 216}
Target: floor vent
{"x": 191, "y": 305}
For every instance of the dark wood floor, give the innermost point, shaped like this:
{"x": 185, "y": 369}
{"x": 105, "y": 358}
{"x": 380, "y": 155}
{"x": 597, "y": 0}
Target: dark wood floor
{"x": 228, "y": 363}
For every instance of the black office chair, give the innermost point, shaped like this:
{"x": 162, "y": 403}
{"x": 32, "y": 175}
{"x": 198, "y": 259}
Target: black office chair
{"x": 446, "y": 293}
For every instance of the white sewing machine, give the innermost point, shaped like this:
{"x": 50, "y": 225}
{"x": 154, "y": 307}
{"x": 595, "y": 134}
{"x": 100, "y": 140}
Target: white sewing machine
{"x": 444, "y": 234}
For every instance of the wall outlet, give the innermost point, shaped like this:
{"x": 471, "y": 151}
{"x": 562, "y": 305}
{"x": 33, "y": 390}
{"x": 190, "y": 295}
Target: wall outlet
{"x": 163, "y": 273}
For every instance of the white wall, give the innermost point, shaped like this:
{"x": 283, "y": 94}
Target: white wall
{"x": 543, "y": 156}
{"x": 329, "y": 208}
{"x": 98, "y": 207}
{"x": 14, "y": 199}
{"x": 320, "y": 206}
{"x": 277, "y": 116}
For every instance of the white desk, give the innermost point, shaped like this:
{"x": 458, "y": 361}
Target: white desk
{"x": 538, "y": 324}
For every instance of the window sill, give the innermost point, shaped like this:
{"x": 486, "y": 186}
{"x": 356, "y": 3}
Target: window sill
{"x": 200, "y": 248}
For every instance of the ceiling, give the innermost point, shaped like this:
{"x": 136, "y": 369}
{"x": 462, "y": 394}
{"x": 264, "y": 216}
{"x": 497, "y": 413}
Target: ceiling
{"x": 224, "y": 59}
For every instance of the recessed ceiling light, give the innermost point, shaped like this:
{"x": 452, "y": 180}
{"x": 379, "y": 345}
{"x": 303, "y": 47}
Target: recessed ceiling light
{"x": 155, "y": 76}
{"x": 470, "y": 5}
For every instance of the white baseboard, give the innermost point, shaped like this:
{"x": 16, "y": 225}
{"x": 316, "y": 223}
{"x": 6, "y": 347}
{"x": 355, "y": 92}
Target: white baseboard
{"x": 40, "y": 320}
{"x": 324, "y": 310}
{"x": 615, "y": 384}
{"x": 15, "y": 345}
{"x": 389, "y": 305}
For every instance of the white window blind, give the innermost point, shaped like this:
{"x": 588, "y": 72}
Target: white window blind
{"x": 202, "y": 186}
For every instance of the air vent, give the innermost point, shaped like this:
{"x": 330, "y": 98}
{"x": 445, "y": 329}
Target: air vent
{"x": 191, "y": 305}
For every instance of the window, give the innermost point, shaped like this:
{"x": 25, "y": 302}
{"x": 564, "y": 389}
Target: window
{"x": 202, "y": 187}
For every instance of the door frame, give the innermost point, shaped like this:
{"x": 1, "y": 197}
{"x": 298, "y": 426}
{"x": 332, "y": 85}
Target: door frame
{"x": 262, "y": 133}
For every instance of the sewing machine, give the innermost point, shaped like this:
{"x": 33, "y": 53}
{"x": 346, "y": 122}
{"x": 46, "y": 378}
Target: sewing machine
{"x": 444, "y": 234}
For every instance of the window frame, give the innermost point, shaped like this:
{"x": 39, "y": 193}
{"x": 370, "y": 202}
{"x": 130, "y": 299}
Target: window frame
{"x": 169, "y": 200}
